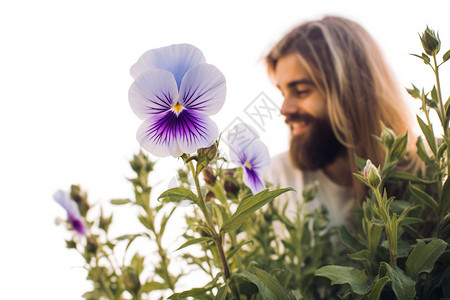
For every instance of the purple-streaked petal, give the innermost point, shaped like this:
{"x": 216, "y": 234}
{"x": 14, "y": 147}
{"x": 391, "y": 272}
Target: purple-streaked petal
{"x": 155, "y": 91}
{"x": 203, "y": 89}
{"x": 157, "y": 134}
{"x": 253, "y": 180}
{"x": 195, "y": 130}
{"x": 63, "y": 198}
{"x": 73, "y": 213}
{"x": 177, "y": 59}
{"x": 258, "y": 156}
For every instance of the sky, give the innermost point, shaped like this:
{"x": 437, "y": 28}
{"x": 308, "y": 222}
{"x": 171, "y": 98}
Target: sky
{"x": 65, "y": 117}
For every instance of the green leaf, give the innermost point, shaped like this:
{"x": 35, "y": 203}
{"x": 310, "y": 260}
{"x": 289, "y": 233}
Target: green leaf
{"x": 222, "y": 293}
{"x": 399, "y": 147}
{"x": 178, "y": 194}
{"x": 152, "y": 286}
{"x": 441, "y": 150}
{"x": 164, "y": 220}
{"x": 191, "y": 293}
{"x": 402, "y": 285}
{"x": 374, "y": 235}
{"x": 414, "y": 92}
{"x": 446, "y": 56}
{"x": 268, "y": 286}
{"x": 429, "y": 134}
{"x": 233, "y": 251}
{"x": 426, "y": 58}
{"x": 424, "y": 197}
{"x": 434, "y": 96}
{"x": 194, "y": 241}
{"x": 145, "y": 221}
{"x": 378, "y": 288}
{"x": 120, "y": 201}
{"x": 362, "y": 255}
{"x": 393, "y": 227}
{"x": 248, "y": 206}
{"x": 421, "y": 152}
{"x": 423, "y": 257}
{"x": 349, "y": 239}
{"x": 445, "y": 200}
{"x": 95, "y": 294}
{"x": 407, "y": 176}
{"x": 357, "y": 279}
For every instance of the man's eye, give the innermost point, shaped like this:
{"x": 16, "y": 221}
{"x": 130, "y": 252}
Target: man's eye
{"x": 301, "y": 92}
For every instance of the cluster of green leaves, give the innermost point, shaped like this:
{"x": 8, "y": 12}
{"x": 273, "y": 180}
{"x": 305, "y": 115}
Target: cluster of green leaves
{"x": 113, "y": 277}
{"x": 402, "y": 247}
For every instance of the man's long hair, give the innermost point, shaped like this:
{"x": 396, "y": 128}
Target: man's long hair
{"x": 349, "y": 70}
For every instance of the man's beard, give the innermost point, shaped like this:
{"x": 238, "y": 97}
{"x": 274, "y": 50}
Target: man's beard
{"x": 315, "y": 148}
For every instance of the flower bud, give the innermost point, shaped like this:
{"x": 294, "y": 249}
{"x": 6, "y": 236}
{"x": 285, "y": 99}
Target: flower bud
{"x": 131, "y": 281}
{"x": 372, "y": 175}
{"x": 230, "y": 187}
{"x": 209, "y": 176}
{"x": 387, "y": 137}
{"x": 209, "y": 153}
{"x": 430, "y": 41}
{"x": 80, "y": 198}
{"x": 92, "y": 245}
{"x": 209, "y": 196}
{"x": 58, "y": 221}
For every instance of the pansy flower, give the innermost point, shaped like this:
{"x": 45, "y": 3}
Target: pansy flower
{"x": 175, "y": 92}
{"x": 253, "y": 157}
{"x": 73, "y": 213}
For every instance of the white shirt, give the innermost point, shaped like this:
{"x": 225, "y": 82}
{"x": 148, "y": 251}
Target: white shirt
{"x": 336, "y": 198}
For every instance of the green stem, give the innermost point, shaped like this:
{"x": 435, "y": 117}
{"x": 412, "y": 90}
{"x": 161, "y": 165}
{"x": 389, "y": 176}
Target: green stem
{"x": 165, "y": 263}
{"x": 444, "y": 120}
{"x": 438, "y": 90}
{"x": 103, "y": 282}
{"x": 216, "y": 236}
{"x": 386, "y": 220}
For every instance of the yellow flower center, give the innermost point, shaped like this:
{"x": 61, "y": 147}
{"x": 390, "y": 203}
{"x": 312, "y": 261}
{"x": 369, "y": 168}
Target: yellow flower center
{"x": 177, "y": 107}
{"x": 248, "y": 165}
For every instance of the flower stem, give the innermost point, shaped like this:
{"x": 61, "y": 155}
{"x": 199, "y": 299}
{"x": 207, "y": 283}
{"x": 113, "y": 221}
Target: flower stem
{"x": 387, "y": 221}
{"x": 216, "y": 236}
{"x": 439, "y": 95}
{"x": 162, "y": 253}
{"x": 444, "y": 120}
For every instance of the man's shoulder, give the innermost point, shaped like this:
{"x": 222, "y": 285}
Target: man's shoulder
{"x": 281, "y": 170}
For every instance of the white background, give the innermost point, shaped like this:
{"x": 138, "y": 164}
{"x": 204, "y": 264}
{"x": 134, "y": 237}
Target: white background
{"x": 65, "y": 117}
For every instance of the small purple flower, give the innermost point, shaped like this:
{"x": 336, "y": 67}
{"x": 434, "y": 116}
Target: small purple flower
{"x": 175, "y": 92}
{"x": 73, "y": 214}
{"x": 254, "y": 159}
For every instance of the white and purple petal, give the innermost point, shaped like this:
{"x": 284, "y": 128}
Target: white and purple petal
{"x": 157, "y": 134}
{"x": 73, "y": 213}
{"x": 195, "y": 130}
{"x": 177, "y": 59}
{"x": 154, "y": 92}
{"x": 253, "y": 180}
{"x": 63, "y": 198}
{"x": 258, "y": 156}
{"x": 254, "y": 159}
{"x": 203, "y": 89}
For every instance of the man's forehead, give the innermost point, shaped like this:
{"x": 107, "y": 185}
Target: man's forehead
{"x": 289, "y": 72}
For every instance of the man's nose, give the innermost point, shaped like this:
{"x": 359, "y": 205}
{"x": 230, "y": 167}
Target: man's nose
{"x": 289, "y": 106}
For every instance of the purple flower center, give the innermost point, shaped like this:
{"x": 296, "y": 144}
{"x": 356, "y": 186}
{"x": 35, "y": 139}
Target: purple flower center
{"x": 77, "y": 225}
